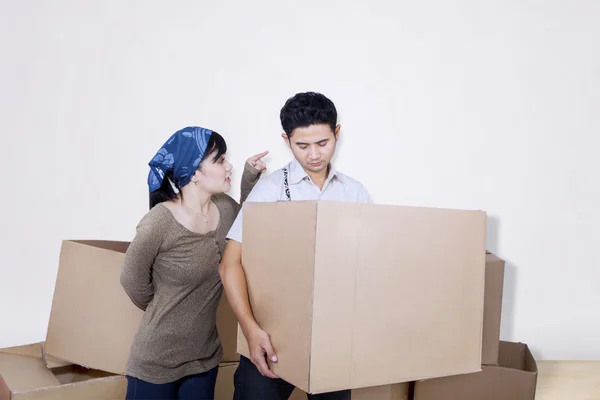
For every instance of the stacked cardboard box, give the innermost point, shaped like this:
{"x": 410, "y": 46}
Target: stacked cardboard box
{"x": 91, "y": 328}
{"x": 508, "y": 370}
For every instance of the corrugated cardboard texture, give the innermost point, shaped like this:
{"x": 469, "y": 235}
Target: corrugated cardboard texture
{"x": 514, "y": 379}
{"x": 224, "y": 387}
{"x": 388, "y": 280}
{"x": 398, "y": 391}
{"x": 92, "y": 320}
{"x": 494, "y": 284}
{"x": 279, "y": 263}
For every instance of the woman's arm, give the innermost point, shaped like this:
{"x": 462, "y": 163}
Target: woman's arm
{"x": 253, "y": 169}
{"x": 136, "y": 274}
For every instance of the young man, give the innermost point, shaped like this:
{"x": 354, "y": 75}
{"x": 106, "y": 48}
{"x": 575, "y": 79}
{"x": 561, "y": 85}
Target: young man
{"x": 310, "y": 124}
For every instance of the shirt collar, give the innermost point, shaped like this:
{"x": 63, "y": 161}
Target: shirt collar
{"x": 297, "y": 173}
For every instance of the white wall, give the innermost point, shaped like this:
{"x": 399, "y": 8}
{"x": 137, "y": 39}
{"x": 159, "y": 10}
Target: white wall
{"x": 466, "y": 104}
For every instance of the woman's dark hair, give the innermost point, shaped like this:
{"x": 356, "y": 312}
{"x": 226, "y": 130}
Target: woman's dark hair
{"x": 166, "y": 191}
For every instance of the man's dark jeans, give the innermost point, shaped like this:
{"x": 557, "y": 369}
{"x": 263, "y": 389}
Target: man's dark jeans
{"x": 251, "y": 385}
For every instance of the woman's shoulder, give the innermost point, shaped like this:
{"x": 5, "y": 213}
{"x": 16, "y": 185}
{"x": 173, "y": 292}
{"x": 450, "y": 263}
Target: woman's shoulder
{"x": 159, "y": 216}
{"x": 227, "y": 206}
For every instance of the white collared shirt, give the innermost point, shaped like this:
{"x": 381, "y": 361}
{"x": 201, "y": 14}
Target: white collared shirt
{"x": 337, "y": 187}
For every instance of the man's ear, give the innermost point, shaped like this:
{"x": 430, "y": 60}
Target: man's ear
{"x": 337, "y": 132}
{"x": 286, "y": 138}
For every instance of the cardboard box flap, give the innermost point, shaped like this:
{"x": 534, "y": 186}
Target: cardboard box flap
{"x": 530, "y": 364}
{"x": 512, "y": 355}
{"x": 92, "y": 320}
{"x": 119, "y": 247}
{"x": 516, "y": 356}
{"x": 22, "y": 373}
{"x": 52, "y": 362}
{"x": 492, "y": 316}
{"x": 492, "y": 258}
{"x": 513, "y": 380}
{"x": 31, "y": 350}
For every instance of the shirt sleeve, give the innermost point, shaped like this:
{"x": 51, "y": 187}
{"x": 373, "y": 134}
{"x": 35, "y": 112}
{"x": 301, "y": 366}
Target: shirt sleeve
{"x": 136, "y": 274}
{"x": 364, "y": 196}
{"x": 264, "y": 191}
{"x": 249, "y": 179}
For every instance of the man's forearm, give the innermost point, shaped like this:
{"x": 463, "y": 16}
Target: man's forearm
{"x": 234, "y": 281}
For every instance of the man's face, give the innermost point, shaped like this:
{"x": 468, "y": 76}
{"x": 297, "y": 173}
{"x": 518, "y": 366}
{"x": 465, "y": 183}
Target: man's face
{"x": 313, "y": 146}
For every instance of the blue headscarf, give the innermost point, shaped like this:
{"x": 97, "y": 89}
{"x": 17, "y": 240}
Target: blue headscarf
{"x": 181, "y": 155}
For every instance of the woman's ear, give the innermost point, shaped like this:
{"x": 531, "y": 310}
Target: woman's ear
{"x": 196, "y": 175}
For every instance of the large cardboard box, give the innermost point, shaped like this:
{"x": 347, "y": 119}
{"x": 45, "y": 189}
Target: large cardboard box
{"x": 514, "y": 379}
{"x": 492, "y": 311}
{"x": 93, "y": 321}
{"x": 399, "y": 391}
{"x": 24, "y": 377}
{"x": 362, "y": 295}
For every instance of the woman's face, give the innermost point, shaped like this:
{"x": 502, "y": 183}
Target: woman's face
{"x": 214, "y": 176}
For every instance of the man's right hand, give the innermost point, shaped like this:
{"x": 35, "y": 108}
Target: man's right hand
{"x": 259, "y": 344}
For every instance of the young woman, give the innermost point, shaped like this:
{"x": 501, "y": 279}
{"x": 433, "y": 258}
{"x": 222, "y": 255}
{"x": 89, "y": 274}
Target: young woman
{"x": 171, "y": 266}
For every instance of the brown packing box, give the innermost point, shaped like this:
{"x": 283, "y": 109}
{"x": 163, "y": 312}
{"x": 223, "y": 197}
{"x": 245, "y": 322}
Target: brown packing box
{"x": 92, "y": 321}
{"x": 361, "y": 295}
{"x": 398, "y": 391}
{"x": 24, "y": 377}
{"x": 514, "y": 379}
{"x": 492, "y": 311}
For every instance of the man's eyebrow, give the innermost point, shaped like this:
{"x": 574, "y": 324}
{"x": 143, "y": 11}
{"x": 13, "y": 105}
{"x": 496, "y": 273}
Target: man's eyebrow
{"x": 319, "y": 142}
